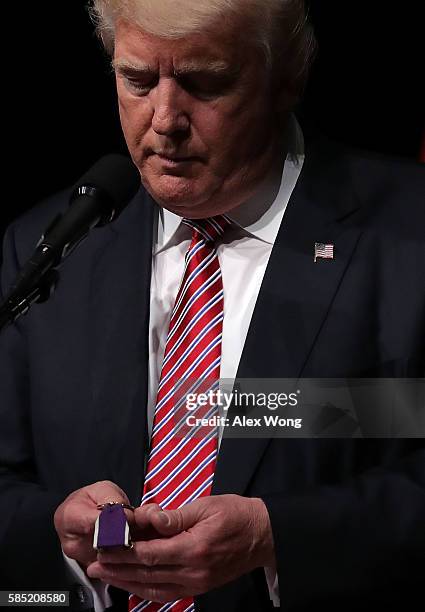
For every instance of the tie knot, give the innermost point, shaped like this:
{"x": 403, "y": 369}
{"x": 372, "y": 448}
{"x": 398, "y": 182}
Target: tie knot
{"x": 211, "y": 228}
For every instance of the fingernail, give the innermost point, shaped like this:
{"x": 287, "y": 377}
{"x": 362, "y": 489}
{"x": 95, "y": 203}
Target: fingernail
{"x": 164, "y": 518}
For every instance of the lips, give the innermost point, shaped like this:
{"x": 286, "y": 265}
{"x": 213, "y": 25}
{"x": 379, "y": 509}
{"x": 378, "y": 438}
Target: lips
{"x": 175, "y": 158}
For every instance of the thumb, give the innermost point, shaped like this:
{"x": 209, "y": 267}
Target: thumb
{"x": 173, "y": 522}
{"x": 106, "y": 491}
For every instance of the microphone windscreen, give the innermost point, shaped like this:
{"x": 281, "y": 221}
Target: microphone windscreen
{"x": 116, "y": 176}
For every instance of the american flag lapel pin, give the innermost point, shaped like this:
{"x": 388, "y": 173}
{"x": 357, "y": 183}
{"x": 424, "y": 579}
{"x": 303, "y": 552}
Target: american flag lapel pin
{"x": 323, "y": 251}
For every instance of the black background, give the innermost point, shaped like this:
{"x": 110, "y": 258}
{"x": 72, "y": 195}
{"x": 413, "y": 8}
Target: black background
{"x": 60, "y": 111}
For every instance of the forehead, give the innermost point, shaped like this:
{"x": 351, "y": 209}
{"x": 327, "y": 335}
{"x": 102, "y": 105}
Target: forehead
{"x": 215, "y": 48}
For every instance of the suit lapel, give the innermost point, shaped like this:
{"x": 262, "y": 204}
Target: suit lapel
{"x": 296, "y": 295}
{"x": 119, "y": 323}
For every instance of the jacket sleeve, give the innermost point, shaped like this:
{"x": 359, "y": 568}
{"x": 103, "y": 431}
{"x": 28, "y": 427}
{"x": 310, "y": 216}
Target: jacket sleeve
{"x": 31, "y": 555}
{"x": 364, "y": 539}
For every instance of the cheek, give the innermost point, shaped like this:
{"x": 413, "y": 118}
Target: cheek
{"x": 135, "y": 117}
{"x": 234, "y": 130}
{"x": 216, "y": 127}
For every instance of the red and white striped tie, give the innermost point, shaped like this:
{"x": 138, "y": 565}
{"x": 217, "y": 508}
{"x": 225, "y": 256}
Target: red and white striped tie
{"x": 182, "y": 459}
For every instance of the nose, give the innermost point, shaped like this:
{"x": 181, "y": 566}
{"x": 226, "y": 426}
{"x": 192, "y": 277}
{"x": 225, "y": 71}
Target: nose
{"x": 169, "y": 114}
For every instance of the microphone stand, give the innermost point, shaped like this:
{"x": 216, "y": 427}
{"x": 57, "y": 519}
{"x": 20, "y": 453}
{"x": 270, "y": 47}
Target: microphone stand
{"x": 13, "y": 307}
{"x": 37, "y": 279}
{"x": 97, "y": 200}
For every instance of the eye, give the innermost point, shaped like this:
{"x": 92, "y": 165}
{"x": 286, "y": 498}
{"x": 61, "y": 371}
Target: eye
{"x": 139, "y": 85}
{"x": 204, "y": 86}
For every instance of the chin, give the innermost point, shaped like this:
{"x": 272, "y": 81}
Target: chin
{"x": 175, "y": 193}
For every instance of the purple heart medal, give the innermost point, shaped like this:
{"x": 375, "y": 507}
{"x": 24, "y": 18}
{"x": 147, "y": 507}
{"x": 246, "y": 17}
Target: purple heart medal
{"x": 111, "y": 528}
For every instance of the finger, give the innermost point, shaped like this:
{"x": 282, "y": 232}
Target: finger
{"x": 168, "y": 523}
{"x": 84, "y": 555}
{"x": 78, "y": 521}
{"x": 170, "y": 551}
{"x": 80, "y": 551}
{"x": 172, "y": 522}
{"x": 137, "y": 573}
{"x": 142, "y": 527}
{"x": 143, "y": 515}
{"x": 152, "y": 516}
{"x": 106, "y": 491}
{"x": 79, "y": 511}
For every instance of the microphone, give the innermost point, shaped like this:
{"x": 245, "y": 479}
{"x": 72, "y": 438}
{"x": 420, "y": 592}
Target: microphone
{"x": 96, "y": 199}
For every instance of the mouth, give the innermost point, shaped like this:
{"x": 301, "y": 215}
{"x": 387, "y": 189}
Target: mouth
{"x": 174, "y": 159}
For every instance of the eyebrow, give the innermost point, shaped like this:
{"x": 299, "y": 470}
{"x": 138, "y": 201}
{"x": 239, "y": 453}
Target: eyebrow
{"x": 129, "y": 66}
{"x": 217, "y": 67}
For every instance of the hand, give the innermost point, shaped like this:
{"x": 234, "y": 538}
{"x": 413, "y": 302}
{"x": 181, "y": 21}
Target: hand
{"x": 74, "y": 519}
{"x": 207, "y": 543}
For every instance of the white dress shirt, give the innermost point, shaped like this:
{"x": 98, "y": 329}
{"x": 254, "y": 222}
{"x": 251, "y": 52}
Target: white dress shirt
{"x": 243, "y": 255}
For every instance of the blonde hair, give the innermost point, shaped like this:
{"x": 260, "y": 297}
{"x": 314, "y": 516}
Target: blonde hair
{"x": 278, "y": 28}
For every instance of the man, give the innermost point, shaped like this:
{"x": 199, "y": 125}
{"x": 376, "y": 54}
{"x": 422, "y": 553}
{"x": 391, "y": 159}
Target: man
{"x": 205, "y": 92}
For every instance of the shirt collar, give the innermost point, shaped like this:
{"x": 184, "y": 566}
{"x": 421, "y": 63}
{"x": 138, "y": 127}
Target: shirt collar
{"x": 260, "y": 216}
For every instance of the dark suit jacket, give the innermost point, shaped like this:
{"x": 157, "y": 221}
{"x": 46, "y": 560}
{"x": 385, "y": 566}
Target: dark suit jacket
{"x": 348, "y": 516}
